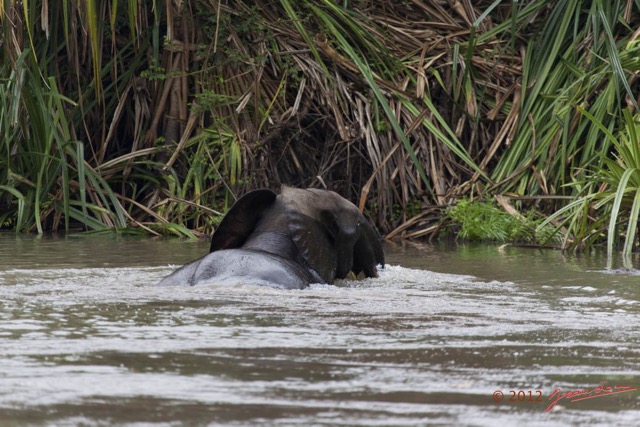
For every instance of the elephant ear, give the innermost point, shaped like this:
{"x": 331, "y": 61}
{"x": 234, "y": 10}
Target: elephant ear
{"x": 367, "y": 252}
{"x": 312, "y": 226}
{"x": 238, "y": 224}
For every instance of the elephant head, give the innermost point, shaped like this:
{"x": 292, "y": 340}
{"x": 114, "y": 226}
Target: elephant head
{"x": 330, "y": 234}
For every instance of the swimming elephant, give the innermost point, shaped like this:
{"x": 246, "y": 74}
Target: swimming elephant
{"x": 289, "y": 240}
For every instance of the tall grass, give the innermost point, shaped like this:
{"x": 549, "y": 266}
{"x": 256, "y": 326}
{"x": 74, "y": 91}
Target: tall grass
{"x": 33, "y": 113}
{"x": 573, "y": 64}
{"x": 44, "y": 174}
{"x": 160, "y": 113}
{"x": 608, "y": 202}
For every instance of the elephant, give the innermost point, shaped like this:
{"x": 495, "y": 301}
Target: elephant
{"x": 290, "y": 240}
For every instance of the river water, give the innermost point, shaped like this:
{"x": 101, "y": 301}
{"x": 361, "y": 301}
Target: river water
{"x": 87, "y": 339}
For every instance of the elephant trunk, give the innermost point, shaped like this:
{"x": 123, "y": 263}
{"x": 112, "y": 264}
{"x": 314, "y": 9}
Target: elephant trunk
{"x": 344, "y": 255}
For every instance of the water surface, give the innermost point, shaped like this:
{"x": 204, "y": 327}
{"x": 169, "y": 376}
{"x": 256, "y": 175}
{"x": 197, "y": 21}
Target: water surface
{"x": 87, "y": 339}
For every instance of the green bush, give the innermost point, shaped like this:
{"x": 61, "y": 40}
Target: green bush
{"x": 482, "y": 221}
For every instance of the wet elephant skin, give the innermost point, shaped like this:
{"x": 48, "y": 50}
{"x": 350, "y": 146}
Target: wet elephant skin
{"x": 298, "y": 237}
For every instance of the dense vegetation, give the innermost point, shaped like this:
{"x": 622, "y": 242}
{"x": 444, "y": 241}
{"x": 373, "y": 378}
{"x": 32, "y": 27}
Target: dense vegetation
{"x": 155, "y": 115}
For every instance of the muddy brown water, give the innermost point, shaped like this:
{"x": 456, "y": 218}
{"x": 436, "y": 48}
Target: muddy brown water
{"x": 86, "y": 338}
